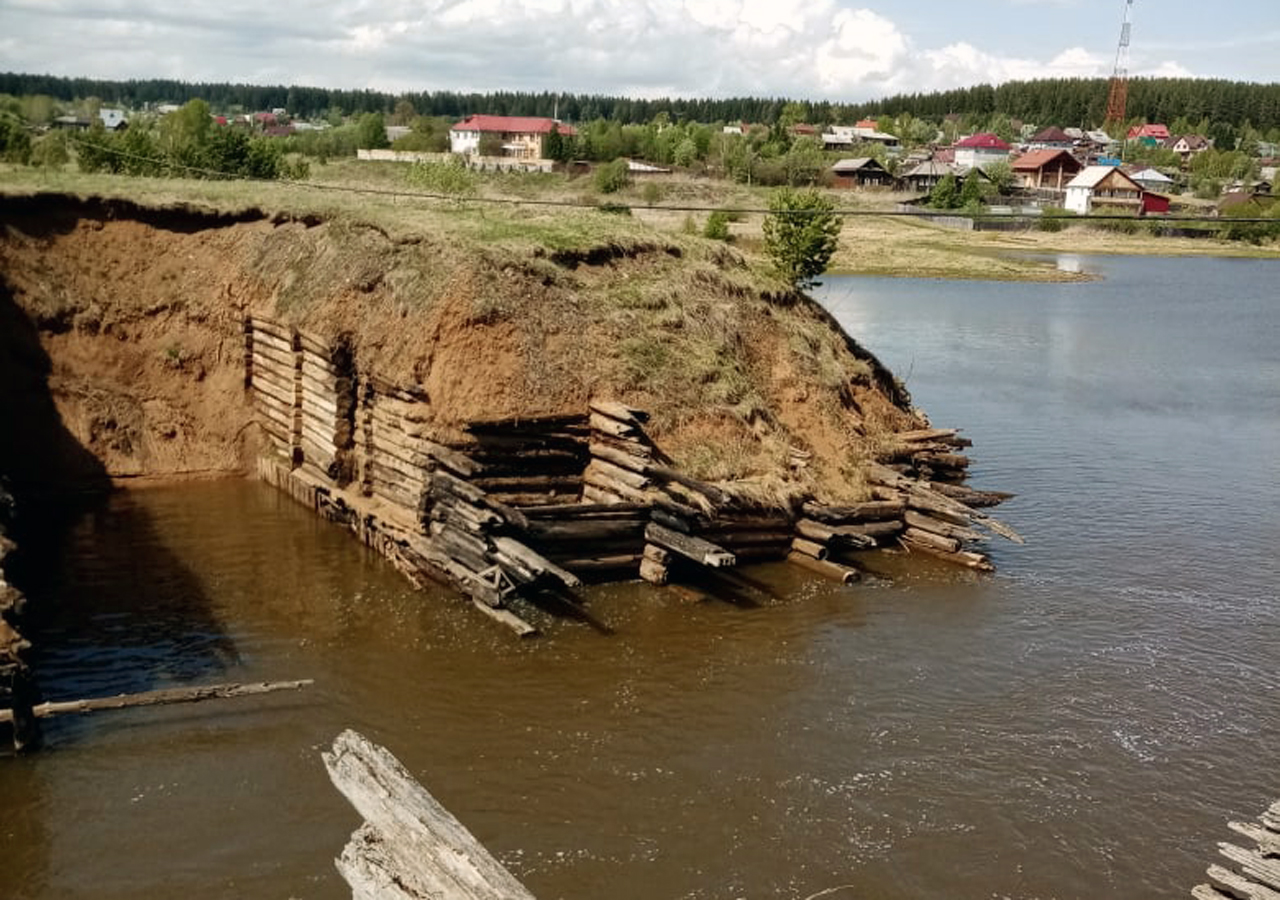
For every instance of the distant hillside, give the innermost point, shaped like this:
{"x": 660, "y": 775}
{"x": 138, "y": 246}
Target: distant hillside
{"x": 1061, "y": 101}
{"x": 1082, "y": 102}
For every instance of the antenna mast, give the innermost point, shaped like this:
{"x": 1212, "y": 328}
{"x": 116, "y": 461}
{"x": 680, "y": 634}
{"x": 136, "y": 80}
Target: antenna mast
{"x": 1118, "y": 97}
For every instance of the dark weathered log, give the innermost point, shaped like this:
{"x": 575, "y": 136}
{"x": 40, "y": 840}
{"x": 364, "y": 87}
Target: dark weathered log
{"x": 690, "y": 547}
{"x": 588, "y": 510}
{"x": 670, "y": 505}
{"x": 853, "y": 533}
{"x": 594, "y": 565}
{"x": 943, "y": 460}
{"x": 530, "y": 501}
{"x": 535, "y": 561}
{"x": 662, "y": 517}
{"x": 871, "y": 511}
{"x": 410, "y": 847}
{"x": 710, "y": 491}
{"x": 735, "y": 539}
{"x": 585, "y": 529}
{"x": 158, "y": 698}
{"x": 445, "y": 482}
{"x": 970, "y": 497}
{"x": 809, "y": 548}
{"x": 937, "y": 526}
{"x": 529, "y": 484}
{"x": 834, "y": 571}
{"x": 529, "y": 424}
{"x": 761, "y": 552}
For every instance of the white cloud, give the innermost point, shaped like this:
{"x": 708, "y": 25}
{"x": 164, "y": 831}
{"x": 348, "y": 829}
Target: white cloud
{"x": 801, "y": 48}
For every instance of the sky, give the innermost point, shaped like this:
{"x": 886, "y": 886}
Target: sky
{"x": 808, "y": 49}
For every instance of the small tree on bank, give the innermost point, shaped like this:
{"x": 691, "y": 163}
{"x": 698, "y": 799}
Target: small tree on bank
{"x": 800, "y": 234}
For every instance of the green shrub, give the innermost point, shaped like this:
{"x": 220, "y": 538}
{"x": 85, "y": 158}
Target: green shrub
{"x": 451, "y": 177}
{"x": 612, "y": 177}
{"x": 651, "y": 193}
{"x": 717, "y": 227}
{"x": 1052, "y": 218}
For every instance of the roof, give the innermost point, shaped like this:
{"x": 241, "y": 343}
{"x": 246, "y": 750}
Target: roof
{"x": 1038, "y": 159}
{"x": 1194, "y": 141}
{"x": 1051, "y": 135}
{"x": 1157, "y": 131}
{"x": 1091, "y": 176}
{"x": 983, "y": 140}
{"x": 867, "y": 123}
{"x": 512, "y": 125}
{"x": 858, "y": 164}
{"x": 802, "y": 128}
{"x": 111, "y": 118}
{"x": 1150, "y": 174}
{"x": 1099, "y": 137}
{"x": 931, "y": 168}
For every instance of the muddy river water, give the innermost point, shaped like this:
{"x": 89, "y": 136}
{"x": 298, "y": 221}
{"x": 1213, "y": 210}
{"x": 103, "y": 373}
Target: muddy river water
{"x": 1080, "y": 725}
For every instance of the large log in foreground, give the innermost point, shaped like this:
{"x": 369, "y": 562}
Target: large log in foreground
{"x": 410, "y": 847}
{"x": 1257, "y": 871}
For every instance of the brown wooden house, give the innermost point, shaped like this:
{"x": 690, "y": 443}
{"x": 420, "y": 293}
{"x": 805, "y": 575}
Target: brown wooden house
{"x": 1046, "y": 168}
{"x": 865, "y": 171}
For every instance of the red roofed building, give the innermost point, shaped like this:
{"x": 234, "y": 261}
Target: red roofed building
{"x": 1149, "y": 134}
{"x": 522, "y": 136}
{"x": 980, "y": 150}
{"x": 866, "y": 123}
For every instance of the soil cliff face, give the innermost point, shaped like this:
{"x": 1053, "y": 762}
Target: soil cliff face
{"x": 132, "y": 317}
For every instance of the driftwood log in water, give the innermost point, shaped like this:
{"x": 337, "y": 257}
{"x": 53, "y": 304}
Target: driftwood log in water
{"x": 409, "y": 847}
{"x": 1256, "y": 875}
{"x": 158, "y": 698}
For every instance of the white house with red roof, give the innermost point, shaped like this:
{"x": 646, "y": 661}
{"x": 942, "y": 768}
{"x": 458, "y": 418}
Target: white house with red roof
{"x": 522, "y": 136}
{"x": 980, "y": 150}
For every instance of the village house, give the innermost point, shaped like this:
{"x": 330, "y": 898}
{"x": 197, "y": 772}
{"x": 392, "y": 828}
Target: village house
{"x": 846, "y": 137}
{"x": 1152, "y": 180}
{"x": 1188, "y": 145}
{"x": 522, "y": 136}
{"x": 1051, "y": 138}
{"x": 1149, "y": 135}
{"x": 1105, "y": 189}
{"x": 1046, "y": 168}
{"x": 925, "y": 176}
{"x": 864, "y": 171}
{"x": 980, "y": 150}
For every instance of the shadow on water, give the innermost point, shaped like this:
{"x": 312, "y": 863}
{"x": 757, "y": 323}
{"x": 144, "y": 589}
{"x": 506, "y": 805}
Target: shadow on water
{"x": 108, "y": 605}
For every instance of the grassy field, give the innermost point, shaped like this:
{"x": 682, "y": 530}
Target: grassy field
{"x": 506, "y": 208}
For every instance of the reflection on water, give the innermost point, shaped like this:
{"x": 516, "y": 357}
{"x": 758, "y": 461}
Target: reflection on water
{"x": 1082, "y": 724}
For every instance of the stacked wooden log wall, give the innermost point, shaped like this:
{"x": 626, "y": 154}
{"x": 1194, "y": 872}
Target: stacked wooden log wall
{"x": 511, "y": 508}
{"x": 15, "y": 675}
{"x": 1254, "y": 872}
{"x": 273, "y": 375}
{"x": 326, "y": 405}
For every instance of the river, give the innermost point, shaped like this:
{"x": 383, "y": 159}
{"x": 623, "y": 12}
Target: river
{"x": 1082, "y": 724}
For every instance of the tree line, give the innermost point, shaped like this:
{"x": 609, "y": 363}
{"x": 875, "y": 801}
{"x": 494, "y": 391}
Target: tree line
{"x": 1062, "y": 101}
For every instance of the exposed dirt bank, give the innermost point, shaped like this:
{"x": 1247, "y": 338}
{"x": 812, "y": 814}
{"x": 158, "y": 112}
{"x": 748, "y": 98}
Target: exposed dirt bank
{"x": 138, "y": 311}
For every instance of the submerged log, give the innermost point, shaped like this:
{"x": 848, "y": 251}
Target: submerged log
{"x": 410, "y": 847}
{"x": 834, "y": 571}
{"x": 158, "y": 698}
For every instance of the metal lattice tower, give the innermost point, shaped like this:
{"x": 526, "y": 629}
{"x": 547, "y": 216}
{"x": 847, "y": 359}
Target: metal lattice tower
{"x": 1118, "y": 97}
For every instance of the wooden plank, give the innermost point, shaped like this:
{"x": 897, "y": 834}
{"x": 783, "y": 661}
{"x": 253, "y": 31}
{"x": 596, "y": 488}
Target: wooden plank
{"x": 413, "y": 848}
{"x": 690, "y": 547}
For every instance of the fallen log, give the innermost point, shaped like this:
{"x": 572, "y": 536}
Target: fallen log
{"x": 710, "y": 491}
{"x": 572, "y": 511}
{"x": 619, "y": 458}
{"x": 690, "y": 547}
{"x": 922, "y": 538}
{"x": 814, "y": 531}
{"x": 158, "y": 698}
{"x": 603, "y": 563}
{"x": 535, "y": 561}
{"x": 968, "y": 559}
{"x": 834, "y": 571}
{"x": 871, "y": 511}
{"x": 611, "y": 472}
{"x": 937, "y": 526}
{"x": 611, "y": 426}
{"x": 619, "y": 411}
{"x": 585, "y": 529}
{"x": 409, "y": 847}
{"x": 809, "y": 548}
